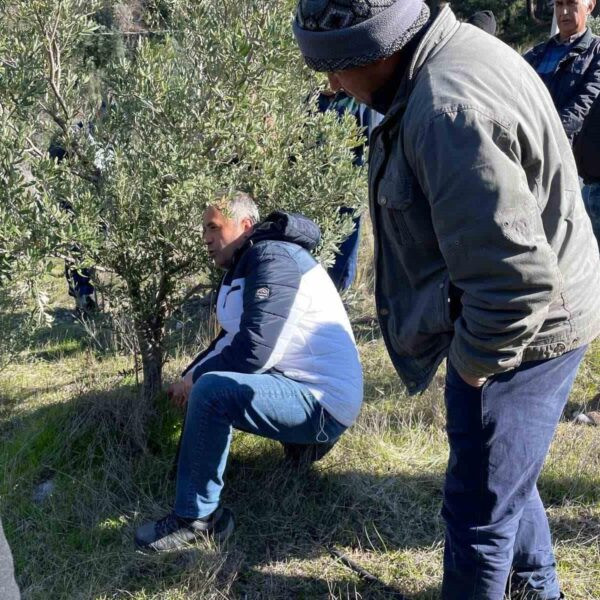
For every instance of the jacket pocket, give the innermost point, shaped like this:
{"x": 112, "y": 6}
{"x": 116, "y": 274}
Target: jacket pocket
{"x": 407, "y": 209}
{"x": 437, "y": 315}
{"x": 235, "y": 288}
{"x": 450, "y": 307}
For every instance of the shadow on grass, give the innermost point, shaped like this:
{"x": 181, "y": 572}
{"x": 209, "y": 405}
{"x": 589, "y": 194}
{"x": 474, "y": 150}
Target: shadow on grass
{"x": 64, "y": 337}
{"x": 582, "y": 529}
{"x": 67, "y": 335}
{"x": 110, "y": 455}
{"x": 285, "y": 515}
{"x": 575, "y": 407}
{"x": 365, "y": 329}
{"x": 109, "y": 458}
{"x": 580, "y": 488}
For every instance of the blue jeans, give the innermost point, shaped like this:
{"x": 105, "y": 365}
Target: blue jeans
{"x": 269, "y": 405}
{"x": 499, "y": 436}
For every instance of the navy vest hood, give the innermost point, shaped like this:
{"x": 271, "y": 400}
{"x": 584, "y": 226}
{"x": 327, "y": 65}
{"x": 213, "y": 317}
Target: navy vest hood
{"x": 287, "y": 227}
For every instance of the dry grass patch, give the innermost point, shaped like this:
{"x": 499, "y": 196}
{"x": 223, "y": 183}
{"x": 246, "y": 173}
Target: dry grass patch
{"x": 73, "y": 416}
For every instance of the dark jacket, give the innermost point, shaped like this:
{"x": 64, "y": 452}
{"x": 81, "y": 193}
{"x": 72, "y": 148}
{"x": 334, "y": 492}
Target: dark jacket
{"x": 575, "y": 83}
{"x": 477, "y": 212}
{"x": 587, "y": 146}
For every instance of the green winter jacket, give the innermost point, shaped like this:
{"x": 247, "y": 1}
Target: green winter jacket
{"x": 483, "y": 247}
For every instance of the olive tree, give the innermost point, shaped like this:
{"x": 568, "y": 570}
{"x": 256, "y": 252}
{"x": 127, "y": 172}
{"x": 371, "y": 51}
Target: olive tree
{"x": 211, "y": 95}
{"x": 31, "y": 224}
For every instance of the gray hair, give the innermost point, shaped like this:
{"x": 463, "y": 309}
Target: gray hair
{"x": 238, "y": 205}
{"x": 587, "y": 2}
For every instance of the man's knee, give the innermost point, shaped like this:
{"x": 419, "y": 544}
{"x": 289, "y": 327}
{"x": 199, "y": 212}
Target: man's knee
{"x": 213, "y": 391}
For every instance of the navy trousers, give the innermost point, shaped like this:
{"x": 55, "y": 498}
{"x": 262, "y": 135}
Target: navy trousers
{"x": 499, "y": 436}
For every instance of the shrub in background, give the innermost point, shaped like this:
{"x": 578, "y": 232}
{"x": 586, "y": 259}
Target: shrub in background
{"x": 214, "y": 97}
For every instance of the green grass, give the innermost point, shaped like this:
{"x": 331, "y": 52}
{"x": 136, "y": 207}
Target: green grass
{"x": 74, "y": 415}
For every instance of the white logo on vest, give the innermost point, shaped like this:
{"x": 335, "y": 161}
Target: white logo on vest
{"x": 262, "y": 293}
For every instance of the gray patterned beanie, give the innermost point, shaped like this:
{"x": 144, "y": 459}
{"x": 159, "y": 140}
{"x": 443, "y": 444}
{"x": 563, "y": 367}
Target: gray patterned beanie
{"x": 334, "y": 35}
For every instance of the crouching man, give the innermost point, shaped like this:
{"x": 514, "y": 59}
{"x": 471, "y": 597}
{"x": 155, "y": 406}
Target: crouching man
{"x": 285, "y": 365}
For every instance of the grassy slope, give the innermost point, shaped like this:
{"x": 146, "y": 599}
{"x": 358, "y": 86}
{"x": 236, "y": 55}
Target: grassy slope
{"x": 70, "y": 414}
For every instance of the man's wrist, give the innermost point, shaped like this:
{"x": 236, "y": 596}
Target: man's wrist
{"x": 475, "y": 382}
{"x": 463, "y": 370}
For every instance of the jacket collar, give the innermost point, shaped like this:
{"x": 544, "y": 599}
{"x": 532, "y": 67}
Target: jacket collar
{"x": 283, "y": 227}
{"x": 578, "y": 37}
{"x": 582, "y": 44}
{"x": 439, "y": 32}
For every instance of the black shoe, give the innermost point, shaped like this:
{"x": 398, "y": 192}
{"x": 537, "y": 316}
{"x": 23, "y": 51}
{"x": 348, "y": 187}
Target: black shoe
{"x": 175, "y": 533}
{"x": 520, "y": 592}
{"x": 299, "y": 455}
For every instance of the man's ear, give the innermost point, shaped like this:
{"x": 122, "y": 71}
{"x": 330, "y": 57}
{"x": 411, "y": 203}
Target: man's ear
{"x": 247, "y": 225}
{"x": 591, "y": 6}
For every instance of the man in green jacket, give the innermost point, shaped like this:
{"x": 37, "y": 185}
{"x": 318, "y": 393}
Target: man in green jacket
{"x": 484, "y": 254}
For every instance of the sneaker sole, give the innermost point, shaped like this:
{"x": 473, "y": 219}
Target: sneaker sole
{"x": 220, "y": 537}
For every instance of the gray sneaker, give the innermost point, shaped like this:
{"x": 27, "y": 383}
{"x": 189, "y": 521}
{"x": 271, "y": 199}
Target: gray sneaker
{"x": 175, "y": 533}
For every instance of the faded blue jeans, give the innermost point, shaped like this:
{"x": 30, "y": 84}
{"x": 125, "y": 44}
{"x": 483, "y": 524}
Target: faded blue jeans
{"x": 499, "y": 436}
{"x": 269, "y": 405}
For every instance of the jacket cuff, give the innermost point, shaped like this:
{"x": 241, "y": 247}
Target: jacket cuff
{"x": 464, "y": 366}
{"x": 486, "y": 366}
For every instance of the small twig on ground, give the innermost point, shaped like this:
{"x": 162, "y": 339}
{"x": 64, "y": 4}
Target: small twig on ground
{"x": 390, "y": 591}
{"x": 367, "y": 320}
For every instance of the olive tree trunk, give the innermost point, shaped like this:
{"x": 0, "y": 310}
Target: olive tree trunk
{"x": 150, "y": 337}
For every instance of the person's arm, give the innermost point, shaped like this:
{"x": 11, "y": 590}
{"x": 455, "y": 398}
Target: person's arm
{"x": 213, "y": 348}
{"x": 586, "y": 148}
{"x": 574, "y": 112}
{"x": 491, "y": 235}
{"x": 532, "y": 55}
{"x": 271, "y": 309}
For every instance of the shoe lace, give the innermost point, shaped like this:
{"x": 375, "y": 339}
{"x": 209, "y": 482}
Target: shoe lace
{"x": 167, "y": 525}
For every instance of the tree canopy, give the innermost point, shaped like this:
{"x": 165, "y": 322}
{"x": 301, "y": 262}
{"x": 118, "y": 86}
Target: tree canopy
{"x": 153, "y": 112}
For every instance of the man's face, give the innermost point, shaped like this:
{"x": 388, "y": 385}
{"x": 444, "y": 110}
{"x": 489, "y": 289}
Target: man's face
{"x": 362, "y": 82}
{"x": 571, "y": 16}
{"x": 223, "y": 236}
{"x": 355, "y": 82}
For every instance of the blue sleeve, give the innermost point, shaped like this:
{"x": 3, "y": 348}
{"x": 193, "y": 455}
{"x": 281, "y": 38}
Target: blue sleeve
{"x": 532, "y": 55}
{"x": 202, "y": 356}
{"x": 574, "y": 112}
{"x": 270, "y": 289}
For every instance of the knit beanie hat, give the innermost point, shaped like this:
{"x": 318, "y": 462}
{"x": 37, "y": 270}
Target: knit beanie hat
{"x": 334, "y": 35}
{"x": 484, "y": 19}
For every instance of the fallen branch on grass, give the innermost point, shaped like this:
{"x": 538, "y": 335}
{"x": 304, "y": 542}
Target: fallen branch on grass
{"x": 364, "y": 574}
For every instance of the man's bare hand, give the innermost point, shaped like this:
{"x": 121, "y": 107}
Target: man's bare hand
{"x": 179, "y": 391}
{"x": 176, "y": 393}
{"x": 475, "y": 382}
